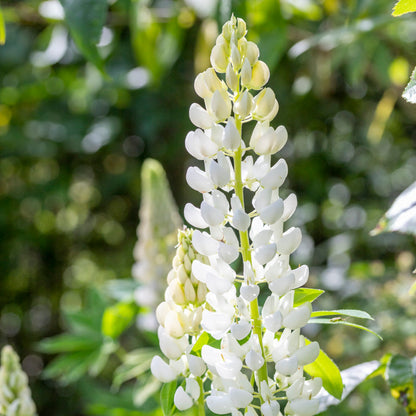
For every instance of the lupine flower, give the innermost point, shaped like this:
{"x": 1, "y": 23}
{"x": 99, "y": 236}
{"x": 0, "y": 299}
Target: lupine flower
{"x": 261, "y": 354}
{"x": 15, "y": 396}
{"x": 154, "y": 250}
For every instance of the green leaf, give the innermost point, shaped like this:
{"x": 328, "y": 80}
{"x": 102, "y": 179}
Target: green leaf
{"x": 325, "y": 368}
{"x": 354, "y": 313}
{"x": 401, "y": 216}
{"x": 401, "y": 376}
{"x": 303, "y": 295}
{"x": 85, "y": 19}
{"x": 117, "y": 318}
{"x": 166, "y": 397}
{"x": 409, "y": 93}
{"x": 351, "y": 378}
{"x": 204, "y": 339}
{"x": 340, "y": 321}
{"x": 404, "y": 6}
{"x": 68, "y": 343}
{"x": 135, "y": 363}
{"x": 2, "y": 29}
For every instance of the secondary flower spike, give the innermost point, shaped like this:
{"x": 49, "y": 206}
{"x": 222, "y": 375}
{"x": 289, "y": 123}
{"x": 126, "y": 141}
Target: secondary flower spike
{"x": 240, "y": 356}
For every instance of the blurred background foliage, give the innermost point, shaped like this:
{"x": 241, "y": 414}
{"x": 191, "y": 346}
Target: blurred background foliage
{"x": 77, "y": 120}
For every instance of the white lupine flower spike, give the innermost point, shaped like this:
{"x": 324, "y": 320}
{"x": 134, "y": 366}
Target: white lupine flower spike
{"x": 217, "y": 330}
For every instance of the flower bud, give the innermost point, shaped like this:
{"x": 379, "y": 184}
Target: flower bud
{"x": 199, "y": 116}
{"x": 260, "y": 74}
{"x": 246, "y": 73}
{"x": 244, "y": 105}
{"x": 241, "y": 31}
{"x": 161, "y": 312}
{"x": 177, "y": 293}
{"x": 231, "y": 78}
{"x": 220, "y": 106}
{"x": 189, "y": 290}
{"x": 235, "y": 57}
{"x": 242, "y": 46}
{"x": 227, "y": 30}
{"x": 162, "y": 371}
{"x": 219, "y": 59}
{"x": 252, "y": 53}
{"x": 182, "y": 400}
{"x": 266, "y": 105}
{"x": 232, "y": 138}
{"x": 201, "y": 87}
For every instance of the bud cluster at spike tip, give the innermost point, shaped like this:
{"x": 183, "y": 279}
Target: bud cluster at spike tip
{"x": 233, "y": 93}
{"x": 154, "y": 249}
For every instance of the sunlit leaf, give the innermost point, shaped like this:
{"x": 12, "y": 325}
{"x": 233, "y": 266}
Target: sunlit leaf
{"x": 404, "y": 6}
{"x": 204, "y": 339}
{"x": 2, "y": 29}
{"x": 304, "y": 294}
{"x": 166, "y": 397}
{"x": 326, "y": 369}
{"x": 354, "y": 313}
{"x": 117, "y": 318}
{"x": 85, "y": 19}
{"x": 340, "y": 321}
{"x": 409, "y": 93}
{"x": 351, "y": 378}
{"x": 401, "y": 216}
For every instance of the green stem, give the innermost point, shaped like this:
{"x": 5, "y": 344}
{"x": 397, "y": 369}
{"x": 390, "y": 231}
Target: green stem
{"x": 200, "y": 409}
{"x": 245, "y": 248}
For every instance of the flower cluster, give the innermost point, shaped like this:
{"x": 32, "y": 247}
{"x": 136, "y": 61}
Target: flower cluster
{"x": 15, "y": 396}
{"x": 153, "y": 252}
{"x": 259, "y": 359}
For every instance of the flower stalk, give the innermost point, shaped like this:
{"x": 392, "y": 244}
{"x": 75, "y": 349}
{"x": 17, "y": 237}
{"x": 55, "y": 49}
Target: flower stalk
{"x": 212, "y": 325}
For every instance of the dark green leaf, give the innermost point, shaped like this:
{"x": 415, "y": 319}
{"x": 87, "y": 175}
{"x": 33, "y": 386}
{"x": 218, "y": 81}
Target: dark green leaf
{"x": 399, "y": 371}
{"x": 2, "y": 29}
{"x": 409, "y": 93}
{"x": 304, "y": 294}
{"x": 117, "y": 318}
{"x": 85, "y": 19}
{"x": 354, "y": 313}
{"x": 404, "y": 6}
{"x": 166, "y": 397}
{"x": 326, "y": 369}
{"x": 204, "y": 339}
{"x": 335, "y": 321}
{"x": 69, "y": 343}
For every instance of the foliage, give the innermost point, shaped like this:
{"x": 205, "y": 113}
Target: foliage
{"x": 72, "y": 144}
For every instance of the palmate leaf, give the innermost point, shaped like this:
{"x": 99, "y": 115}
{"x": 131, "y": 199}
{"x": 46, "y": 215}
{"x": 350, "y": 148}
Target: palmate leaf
{"x": 401, "y": 216}
{"x": 328, "y": 371}
{"x": 85, "y": 19}
{"x": 404, "y": 6}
